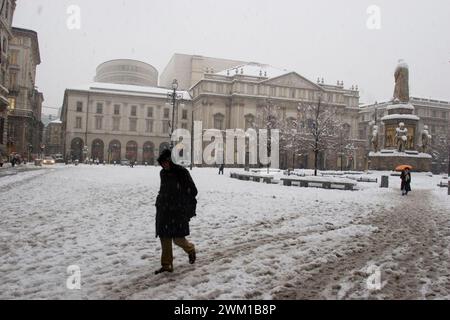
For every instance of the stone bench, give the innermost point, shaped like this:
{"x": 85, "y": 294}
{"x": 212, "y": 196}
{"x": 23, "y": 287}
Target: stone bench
{"x": 252, "y": 177}
{"x": 361, "y": 179}
{"x": 305, "y": 183}
{"x": 443, "y": 184}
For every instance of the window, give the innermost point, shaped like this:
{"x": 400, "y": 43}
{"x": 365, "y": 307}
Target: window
{"x": 184, "y": 125}
{"x": 13, "y": 57}
{"x": 78, "y": 123}
{"x": 149, "y": 126}
{"x": 133, "y": 125}
{"x": 150, "y": 112}
{"x": 251, "y": 89}
{"x": 117, "y": 109}
{"x": 220, "y": 88}
{"x": 98, "y": 123}
{"x": 219, "y": 121}
{"x": 184, "y": 114}
{"x": 133, "y": 111}
{"x": 434, "y": 114}
{"x": 166, "y": 113}
{"x": 444, "y": 115}
{"x": 116, "y": 124}
{"x": 165, "y": 126}
{"x": 99, "y": 108}
{"x": 79, "y": 106}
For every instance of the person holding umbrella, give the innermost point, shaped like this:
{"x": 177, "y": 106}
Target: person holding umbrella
{"x": 406, "y": 180}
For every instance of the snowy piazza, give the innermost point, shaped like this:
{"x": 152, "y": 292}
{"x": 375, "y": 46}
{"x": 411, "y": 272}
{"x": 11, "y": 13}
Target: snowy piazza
{"x": 219, "y": 160}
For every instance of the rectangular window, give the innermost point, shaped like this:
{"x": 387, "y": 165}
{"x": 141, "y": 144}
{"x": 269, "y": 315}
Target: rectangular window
{"x": 133, "y": 111}
{"x": 434, "y": 114}
{"x": 150, "y": 112}
{"x": 117, "y": 109}
{"x": 184, "y": 115}
{"x": 133, "y": 125}
{"x": 98, "y": 123}
{"x": 116, "y": 124}
{"x": 184, "y": 125}
{"x": 165, "y": 126}
{"x": 99, "y": 108}
{"x": 219, "y": 88}
{"x": 79, "y": 106}
{"x": 78, "y": 123}
{"x": 444, "y": 115}
{"x": 166, "y": 113}
{"x": 149, "y": 126}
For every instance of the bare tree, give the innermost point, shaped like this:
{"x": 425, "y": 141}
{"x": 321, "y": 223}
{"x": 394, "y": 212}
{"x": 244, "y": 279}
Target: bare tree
{"x": 319, "y": 128}
{"x": 440, "y": 152}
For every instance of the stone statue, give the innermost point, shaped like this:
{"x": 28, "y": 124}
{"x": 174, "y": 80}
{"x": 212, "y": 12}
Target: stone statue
{"x": 426, "y": 137}
{"x": 374, "y": 139}
{"x": 401, "y": 91}
{"x": 401, "y": 137}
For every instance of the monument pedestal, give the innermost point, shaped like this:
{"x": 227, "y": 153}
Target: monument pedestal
{"x": 388, "y": 160}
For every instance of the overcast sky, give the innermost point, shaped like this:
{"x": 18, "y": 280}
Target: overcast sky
{"x": 315, "y": 38}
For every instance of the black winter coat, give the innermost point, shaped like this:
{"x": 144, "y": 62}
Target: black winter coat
{"x": 176, "y": 203}
{"x": 406, "y": 181}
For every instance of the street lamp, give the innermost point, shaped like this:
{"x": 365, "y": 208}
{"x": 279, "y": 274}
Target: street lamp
{"x": 173, "y": 97}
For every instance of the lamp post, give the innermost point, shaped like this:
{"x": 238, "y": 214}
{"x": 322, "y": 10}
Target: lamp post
{"x": 173, "y": 96}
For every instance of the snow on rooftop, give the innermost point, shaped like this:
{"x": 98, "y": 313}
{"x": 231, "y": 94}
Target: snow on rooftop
{"x": 400, "y": 117}
{"x": 128, "y": 89}
{"x": 58, "y": 121}
{"x": 254, "y": 69}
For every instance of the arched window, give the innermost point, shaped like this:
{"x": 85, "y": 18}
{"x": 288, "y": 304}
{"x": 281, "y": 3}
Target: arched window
{"x": 131, "y": 151}
{"x": 148, "y": 153}
{"x": 114, "y": 151}
{"x": 98, "y": 150}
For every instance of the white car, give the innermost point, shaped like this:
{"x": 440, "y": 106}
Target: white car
{"x": 48, "y": 161}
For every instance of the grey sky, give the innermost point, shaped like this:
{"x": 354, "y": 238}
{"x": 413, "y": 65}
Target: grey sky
{"x": 317, "y": 38}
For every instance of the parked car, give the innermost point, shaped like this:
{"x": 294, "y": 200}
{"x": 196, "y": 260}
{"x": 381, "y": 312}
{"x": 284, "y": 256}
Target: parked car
{"x": 59, "y": 158}
{"x": 48, "y": 161}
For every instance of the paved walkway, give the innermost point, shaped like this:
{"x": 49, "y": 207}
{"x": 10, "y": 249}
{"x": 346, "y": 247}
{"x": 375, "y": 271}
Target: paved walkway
{"x": 410, "y": 247}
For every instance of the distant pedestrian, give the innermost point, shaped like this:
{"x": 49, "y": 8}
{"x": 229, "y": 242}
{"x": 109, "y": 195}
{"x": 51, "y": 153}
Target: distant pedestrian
{"x": 175, "y": 206}
{"x": 221, "y": 169}
{"x": 1, "y": 161}
{"x": 406, "y": 181}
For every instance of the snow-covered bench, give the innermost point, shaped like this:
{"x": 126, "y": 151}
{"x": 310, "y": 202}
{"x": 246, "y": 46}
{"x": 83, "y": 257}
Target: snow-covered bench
{"x": 320, "y": 182}
{"x": 252, "y": 177}
{"x": 443, "y": 184}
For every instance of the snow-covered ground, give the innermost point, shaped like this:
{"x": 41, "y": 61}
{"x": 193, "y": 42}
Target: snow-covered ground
{"x": 254, "y": 240}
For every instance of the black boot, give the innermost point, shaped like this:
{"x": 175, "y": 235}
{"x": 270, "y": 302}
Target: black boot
{"x": 192, "y": 257}
{"x": 164, "y": 269}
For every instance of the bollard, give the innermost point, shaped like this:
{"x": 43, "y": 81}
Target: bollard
{"x": 384, "y": 182}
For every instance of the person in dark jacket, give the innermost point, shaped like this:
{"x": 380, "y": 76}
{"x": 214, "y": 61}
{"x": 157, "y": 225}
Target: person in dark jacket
{"x": 406, "y": 182}
{"x": 175, "y": 206}
{"x": 221, "y": 168}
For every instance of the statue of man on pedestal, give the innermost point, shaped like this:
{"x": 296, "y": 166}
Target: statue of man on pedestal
{"x": 401, "y": 91}
{"x": 374, "y": 139}
{"x": 401, "y": 137}
{"x": 426, "y": 137}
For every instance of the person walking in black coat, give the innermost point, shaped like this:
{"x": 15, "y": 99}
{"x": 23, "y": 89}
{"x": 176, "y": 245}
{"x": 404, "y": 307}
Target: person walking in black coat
{"x": 406, "y": 182}
{"x": 175, "y": 206}
{"x": 221, "y": 168}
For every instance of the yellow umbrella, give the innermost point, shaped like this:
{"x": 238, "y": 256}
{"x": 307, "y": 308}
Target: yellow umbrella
{"x": 403, "y": 167}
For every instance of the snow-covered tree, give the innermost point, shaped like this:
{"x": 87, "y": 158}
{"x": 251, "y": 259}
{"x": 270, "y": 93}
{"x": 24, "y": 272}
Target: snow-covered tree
{"x": 319, "y": 128}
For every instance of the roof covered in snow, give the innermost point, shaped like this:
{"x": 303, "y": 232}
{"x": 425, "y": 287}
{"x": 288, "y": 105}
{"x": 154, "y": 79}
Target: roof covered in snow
{"x": 113, "y": 88}
{"x": 254, "y": 69}
{"x": 58, "y": 121}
